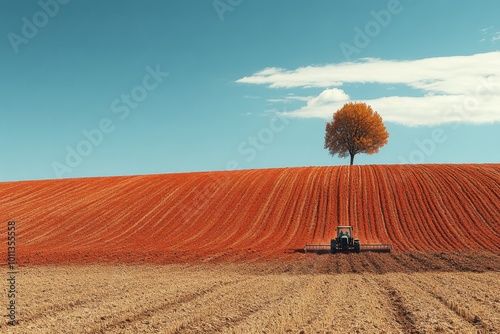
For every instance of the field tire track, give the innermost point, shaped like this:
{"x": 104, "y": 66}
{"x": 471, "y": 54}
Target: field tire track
{"x": 126, "y": 321}
{"x": 403, "y": 315}
{"x": 461, "y": 312}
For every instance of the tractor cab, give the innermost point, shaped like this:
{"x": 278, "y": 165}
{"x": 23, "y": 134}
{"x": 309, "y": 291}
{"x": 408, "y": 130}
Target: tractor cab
{"x": 344, "y": 240}
{"x": 344, "y": 231}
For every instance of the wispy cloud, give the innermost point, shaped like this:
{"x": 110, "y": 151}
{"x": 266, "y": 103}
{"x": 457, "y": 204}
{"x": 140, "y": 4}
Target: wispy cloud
{"x": 496, "y": 36}
{"x": 485, "y": 30}
{"x": 444, "y": 83}
{"x": 489, "y": 34}
{"x": 290, "y": 98}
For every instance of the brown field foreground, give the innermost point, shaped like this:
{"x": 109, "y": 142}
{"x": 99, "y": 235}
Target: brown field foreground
{"x": 442, "y": 292}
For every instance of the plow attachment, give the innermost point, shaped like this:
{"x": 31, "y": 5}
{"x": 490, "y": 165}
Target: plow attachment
{"x": 376, "y": 247}
{"x": 324, "y": 249}
{"x": 318, "y": 249}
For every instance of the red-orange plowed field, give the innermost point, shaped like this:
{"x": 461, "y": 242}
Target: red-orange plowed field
{"x": 251, "y": 215}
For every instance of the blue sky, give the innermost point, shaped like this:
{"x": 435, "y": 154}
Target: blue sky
{"x": 98, "y": 88}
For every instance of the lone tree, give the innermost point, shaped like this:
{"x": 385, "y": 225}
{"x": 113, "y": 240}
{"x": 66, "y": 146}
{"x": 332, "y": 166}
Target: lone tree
{"x": 355, "y": 128}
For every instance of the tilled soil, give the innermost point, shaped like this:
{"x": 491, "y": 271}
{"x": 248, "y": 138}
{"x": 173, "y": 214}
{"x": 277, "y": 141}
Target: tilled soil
{"x": 381, "y": 263}
{"x": 370, "y": 293}
{"x": 252, "y": 215}
{"x": 292, "y": 260}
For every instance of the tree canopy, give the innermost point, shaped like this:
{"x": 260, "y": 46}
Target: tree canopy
{"x": 355, "y": 128}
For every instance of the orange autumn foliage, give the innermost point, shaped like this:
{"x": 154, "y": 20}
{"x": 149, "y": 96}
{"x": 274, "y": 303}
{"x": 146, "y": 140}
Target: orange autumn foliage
{"x": 355, "y": 128}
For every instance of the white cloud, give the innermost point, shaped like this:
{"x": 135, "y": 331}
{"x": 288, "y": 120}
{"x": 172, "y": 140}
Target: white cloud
{"x": 297, "y": 98}
{"x": 415, "y": 73}
{"x": 290, "y": 98}
{"x": 414, "y": 111}
{"x": 328, "y": 96}
{"x": 496, "y": 36}
{"x": 453, "y": 89}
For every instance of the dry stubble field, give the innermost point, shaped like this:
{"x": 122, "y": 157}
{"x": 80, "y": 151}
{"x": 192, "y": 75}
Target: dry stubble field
{"x": 354, "y": 293}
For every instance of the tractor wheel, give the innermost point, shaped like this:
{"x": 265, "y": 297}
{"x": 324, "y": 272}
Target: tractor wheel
{"x": 333, "y": 246}
{"x": 357, "y": 247}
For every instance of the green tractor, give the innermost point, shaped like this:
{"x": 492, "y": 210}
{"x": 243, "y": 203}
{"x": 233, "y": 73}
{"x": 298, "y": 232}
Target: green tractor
{"x": 344, "y": 241}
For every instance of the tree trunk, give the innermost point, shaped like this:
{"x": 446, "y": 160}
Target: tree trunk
{"x": 352, "y": 159}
